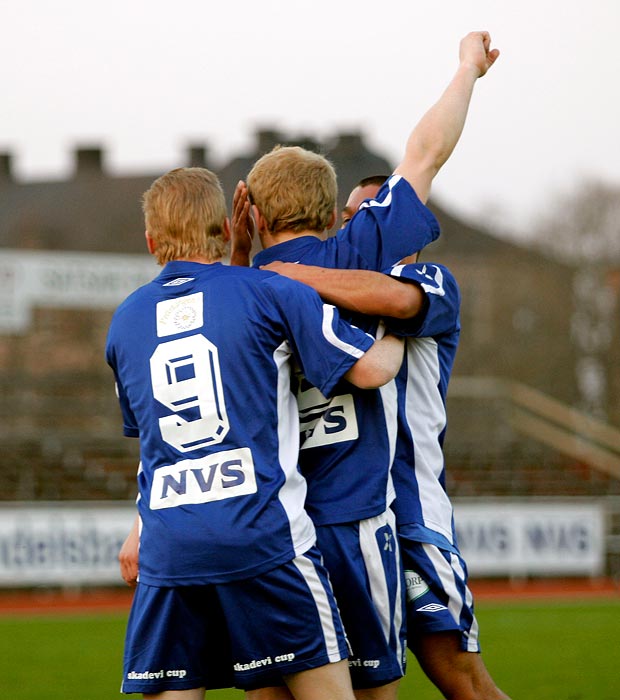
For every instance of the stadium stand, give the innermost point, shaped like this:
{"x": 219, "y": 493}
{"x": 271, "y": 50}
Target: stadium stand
{"x": 525, "y": 417}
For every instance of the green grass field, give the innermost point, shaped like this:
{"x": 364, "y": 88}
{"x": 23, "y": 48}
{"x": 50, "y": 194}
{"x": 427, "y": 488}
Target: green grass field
{"x": 535, "y": 651}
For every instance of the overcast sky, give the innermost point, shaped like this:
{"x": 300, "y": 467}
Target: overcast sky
{"x": 143, "y": 78}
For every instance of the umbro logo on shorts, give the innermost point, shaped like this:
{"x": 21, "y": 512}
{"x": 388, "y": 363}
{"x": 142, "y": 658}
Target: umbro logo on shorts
{"x": 431, "y": 607}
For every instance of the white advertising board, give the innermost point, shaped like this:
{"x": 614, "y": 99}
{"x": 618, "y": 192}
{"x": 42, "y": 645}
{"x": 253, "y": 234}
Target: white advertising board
{"x": 65, "y": 544}
{"x": 66, "y": 280}
{"x": 535, "y": 538}
{"x": 75, "y": 544}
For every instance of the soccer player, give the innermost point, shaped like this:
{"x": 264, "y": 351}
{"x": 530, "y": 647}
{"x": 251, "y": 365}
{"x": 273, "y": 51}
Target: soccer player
{"x": 350, "y": 434}
{"x": 232, "y": 590}
{"x": 441, "y": 626}
{"x": 347, "y": 442}
{"x": 366, "y": 188}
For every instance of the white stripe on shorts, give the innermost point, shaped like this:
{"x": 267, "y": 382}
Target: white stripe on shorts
{"x": 446, "y": 573}
{"x": 379, "y": 588}
{"x": 472, "y": 637}
{"x": 308, "y": 571}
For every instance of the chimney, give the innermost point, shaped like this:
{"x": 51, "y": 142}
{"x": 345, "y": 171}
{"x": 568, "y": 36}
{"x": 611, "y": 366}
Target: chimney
{"x": 88, "y": 161}
{"x": 309, "y": 143}
{"x": 197, "y": 156}
{"x": 349, "y": 143}
{"x": 268, "y": 139}
{"x": 6, "y": 170}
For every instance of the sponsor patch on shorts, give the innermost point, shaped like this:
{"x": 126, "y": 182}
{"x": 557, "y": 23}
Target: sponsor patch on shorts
{"x": 416, "y": 586}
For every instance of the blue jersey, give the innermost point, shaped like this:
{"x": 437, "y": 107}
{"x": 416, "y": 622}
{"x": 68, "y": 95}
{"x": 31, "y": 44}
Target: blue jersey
{"x": 201, "y": 357}
{"x": 348, "y": 441}
{"x": 423, "y": 509}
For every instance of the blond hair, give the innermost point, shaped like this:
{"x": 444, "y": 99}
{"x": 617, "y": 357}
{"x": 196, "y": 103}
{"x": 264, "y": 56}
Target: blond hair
{"x": 184, "y": 212}
{"x": 294, "y": 189}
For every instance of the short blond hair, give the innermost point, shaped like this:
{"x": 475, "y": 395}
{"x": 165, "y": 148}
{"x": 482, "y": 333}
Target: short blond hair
{"x": 294, "y": 189}
{"x": 184, "y": 212}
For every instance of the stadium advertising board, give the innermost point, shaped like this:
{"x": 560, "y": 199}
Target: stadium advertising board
{"x": 77, "y": 544}
{"x": 31, "y": 279}
{"x": 531, "y": 539}
{"x": 62, "y": 544}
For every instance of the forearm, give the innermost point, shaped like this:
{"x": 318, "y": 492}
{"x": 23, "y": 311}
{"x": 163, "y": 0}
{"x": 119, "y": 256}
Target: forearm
{"x": 435, "y": 136}
{"x": 242, "y": 227}
{"x": 239, "y": 257}
{"x": 128, "y": 555}
{"x": 379, "y": 364}
{"x": 363, "y": 291}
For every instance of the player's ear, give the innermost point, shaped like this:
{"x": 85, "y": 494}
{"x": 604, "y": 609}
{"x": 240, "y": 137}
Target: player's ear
{"x": 261, "y": 224}
{"x": 333, "y": 218}
{"x": 150, "y": 243}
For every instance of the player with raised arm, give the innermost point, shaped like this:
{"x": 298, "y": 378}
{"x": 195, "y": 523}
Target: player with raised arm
{"x": 202, "y": 361}
{"x": 442, "y": 628}
{"x": 429, "y": 145}
{"x": 345, "y": 434}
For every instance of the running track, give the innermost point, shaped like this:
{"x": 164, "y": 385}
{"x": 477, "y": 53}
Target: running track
{"x": 48, "y": 602}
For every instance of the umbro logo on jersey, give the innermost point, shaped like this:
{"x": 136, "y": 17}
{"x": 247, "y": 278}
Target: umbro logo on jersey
{"x": 431, "y": 607}
{"x": 178, "y": 281}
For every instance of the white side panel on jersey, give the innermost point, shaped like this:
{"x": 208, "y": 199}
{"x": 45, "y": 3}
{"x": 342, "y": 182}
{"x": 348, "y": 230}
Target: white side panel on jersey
{"x": 292, "y": 495}
{"x": 389, "y": 398}
{"x": 426, "y": 417}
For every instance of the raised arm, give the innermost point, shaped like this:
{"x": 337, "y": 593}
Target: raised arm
{"x": 435, "y": 136}
{"x": 363, "y": 291}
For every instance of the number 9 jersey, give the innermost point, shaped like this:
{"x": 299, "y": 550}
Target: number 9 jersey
{"x": 201, "y": 360}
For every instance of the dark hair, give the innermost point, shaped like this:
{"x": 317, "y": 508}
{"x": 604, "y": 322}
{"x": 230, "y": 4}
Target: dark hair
{"x": 372, "y": 180}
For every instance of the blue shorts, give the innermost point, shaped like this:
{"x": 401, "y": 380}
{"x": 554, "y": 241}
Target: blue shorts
{"x": 438, "y": 599}
{"x": 245, "y": 634}
{"x": 363, "y": 560}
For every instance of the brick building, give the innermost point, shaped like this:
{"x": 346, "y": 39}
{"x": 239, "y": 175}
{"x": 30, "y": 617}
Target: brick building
{"x": 530, "y": 358}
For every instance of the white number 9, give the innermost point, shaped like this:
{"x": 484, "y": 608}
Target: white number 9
{"x": 185, "y": 375}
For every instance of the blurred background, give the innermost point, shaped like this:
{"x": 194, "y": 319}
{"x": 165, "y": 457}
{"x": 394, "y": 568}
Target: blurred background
{"x": 99, "y": 102}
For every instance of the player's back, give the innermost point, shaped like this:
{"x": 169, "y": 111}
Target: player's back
{"x": 348, "y": 442}
{"x": 201, "y": 357}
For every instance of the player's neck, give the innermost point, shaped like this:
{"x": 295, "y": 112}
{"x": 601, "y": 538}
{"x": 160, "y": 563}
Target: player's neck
{"x": 199, "y": 259}
{"x": 270, "y": 239}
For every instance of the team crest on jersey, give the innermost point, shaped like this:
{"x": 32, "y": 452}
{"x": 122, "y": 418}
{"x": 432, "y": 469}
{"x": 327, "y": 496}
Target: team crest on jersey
{"x": 179, "y": 315}
{"x": 416, "y": 586}
{"x": 429, "y": 276}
